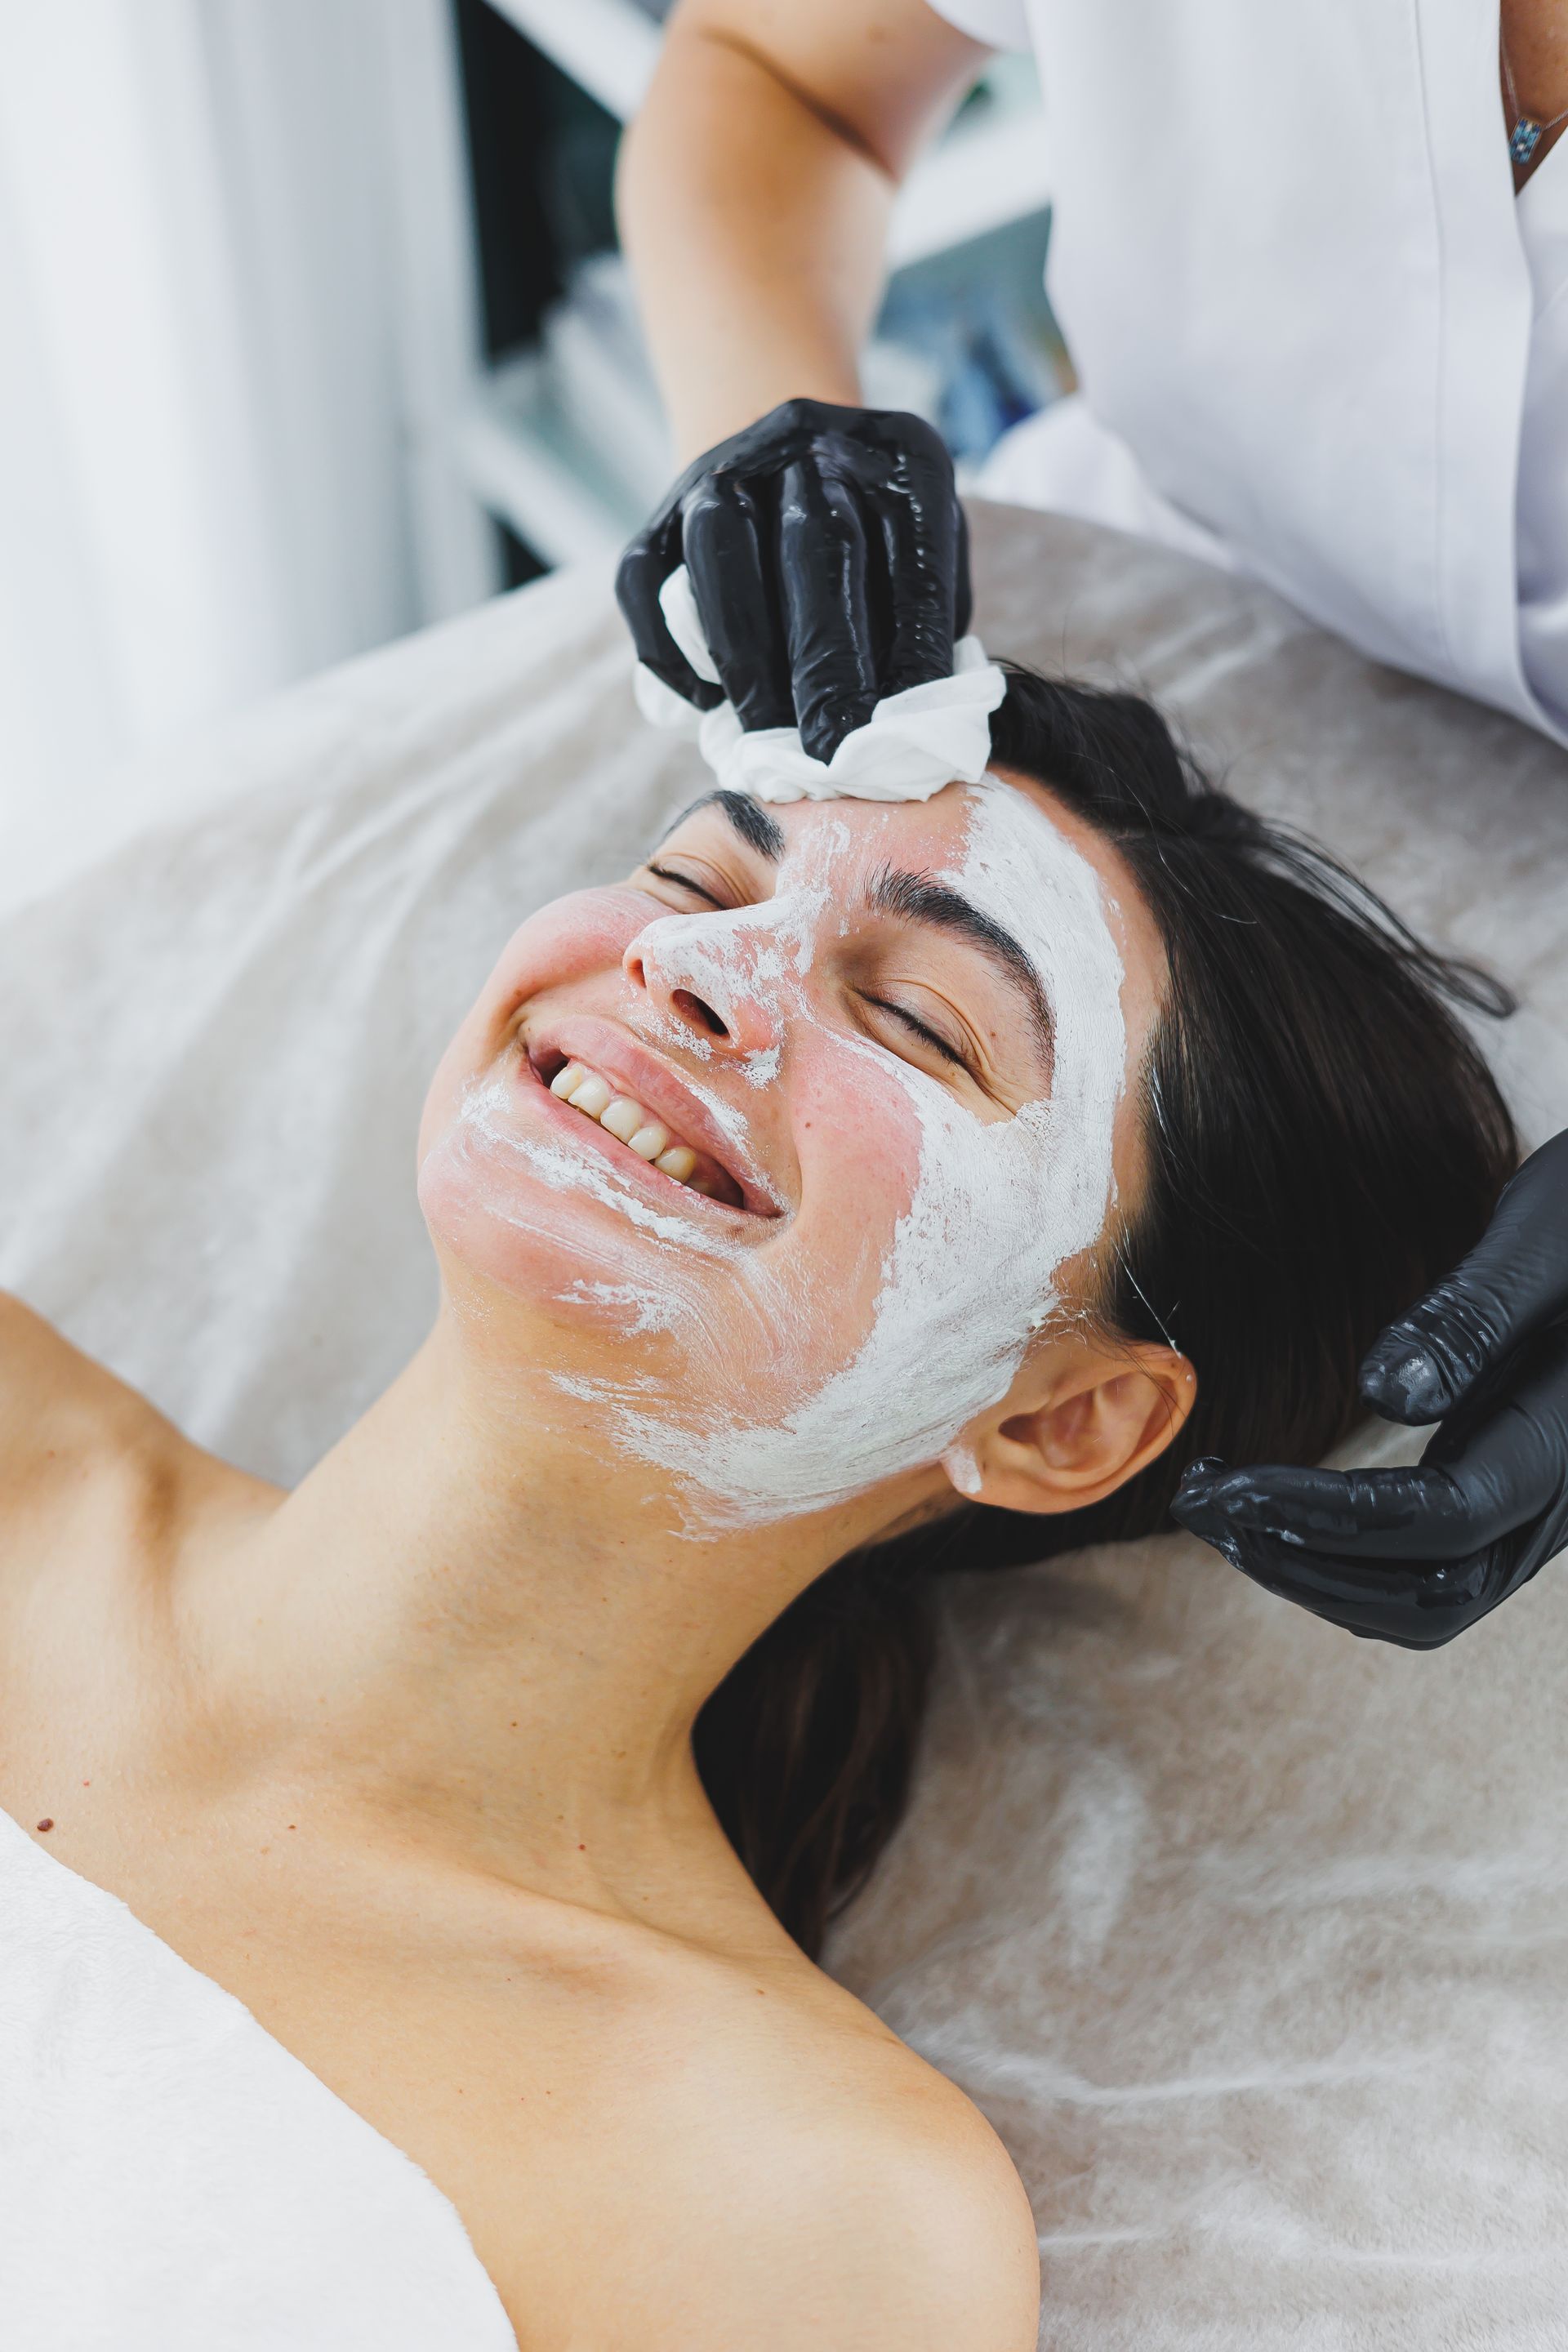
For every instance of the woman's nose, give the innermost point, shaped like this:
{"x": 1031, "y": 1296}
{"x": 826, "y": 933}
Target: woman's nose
{"x": 710, "y": 986}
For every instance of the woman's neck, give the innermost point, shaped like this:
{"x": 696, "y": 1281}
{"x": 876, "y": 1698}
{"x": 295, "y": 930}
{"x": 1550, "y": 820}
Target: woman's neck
{"x": 472, "y": 1621}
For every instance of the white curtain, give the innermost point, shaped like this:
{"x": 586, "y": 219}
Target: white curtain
{"x": 236, "y": 314}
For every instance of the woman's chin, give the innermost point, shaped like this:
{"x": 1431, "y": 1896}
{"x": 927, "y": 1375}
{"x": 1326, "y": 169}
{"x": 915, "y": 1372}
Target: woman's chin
{"x": 560, "y": 1256}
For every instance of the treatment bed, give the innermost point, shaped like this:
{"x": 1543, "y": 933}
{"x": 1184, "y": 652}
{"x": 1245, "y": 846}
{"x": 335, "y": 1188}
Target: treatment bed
{"x": 1251, "y": 1939}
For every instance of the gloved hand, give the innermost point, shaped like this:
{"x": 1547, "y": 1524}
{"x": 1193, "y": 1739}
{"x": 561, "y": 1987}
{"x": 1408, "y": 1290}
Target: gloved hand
{"x": 829, "y": 559}
{"x": 1416, "y": 1555}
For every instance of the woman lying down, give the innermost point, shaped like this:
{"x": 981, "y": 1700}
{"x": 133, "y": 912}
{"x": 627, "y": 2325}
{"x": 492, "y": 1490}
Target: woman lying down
{"x": 856, "y": 1193}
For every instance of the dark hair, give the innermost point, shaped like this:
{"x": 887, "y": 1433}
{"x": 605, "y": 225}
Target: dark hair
{"x": 1323, "y": 1141}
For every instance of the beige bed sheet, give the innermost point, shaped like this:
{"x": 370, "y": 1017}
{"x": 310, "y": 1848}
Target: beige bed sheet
{"x": 1251, "y": 1939}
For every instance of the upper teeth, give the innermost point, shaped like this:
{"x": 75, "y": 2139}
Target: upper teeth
{"x": 586, "y": 1091}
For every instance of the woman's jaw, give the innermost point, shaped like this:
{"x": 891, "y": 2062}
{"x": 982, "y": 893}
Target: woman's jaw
{"x": 883, "y": 1056}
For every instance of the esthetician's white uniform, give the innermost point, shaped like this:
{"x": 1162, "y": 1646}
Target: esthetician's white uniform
{"x": 1319, "y": 337}
{"x": 172, "y": 2180}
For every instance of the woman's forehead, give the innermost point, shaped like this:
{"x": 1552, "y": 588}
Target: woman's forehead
{"x": 1125, "y": 910}
{"x": 938, "y": 827}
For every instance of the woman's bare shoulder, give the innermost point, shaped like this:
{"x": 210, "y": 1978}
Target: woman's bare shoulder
{"x": 80, "y": 1449}
{"x": 859, "y": 2199}
{"x": 57, "y": 1406}
{"x": 917, "y": 2224}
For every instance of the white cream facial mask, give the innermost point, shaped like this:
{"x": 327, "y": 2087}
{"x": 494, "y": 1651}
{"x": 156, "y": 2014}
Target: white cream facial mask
{"x": 968, "y": 1274}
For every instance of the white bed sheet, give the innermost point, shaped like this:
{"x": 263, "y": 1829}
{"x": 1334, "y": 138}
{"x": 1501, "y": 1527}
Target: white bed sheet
{"x": 1252, "y": 1939}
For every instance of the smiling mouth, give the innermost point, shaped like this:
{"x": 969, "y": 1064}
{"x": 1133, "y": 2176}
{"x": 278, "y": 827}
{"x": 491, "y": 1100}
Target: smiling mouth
{"x": 639, "y": 1133}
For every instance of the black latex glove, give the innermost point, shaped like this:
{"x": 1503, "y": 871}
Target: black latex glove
{"x": 1416, "y": 1555}
{"x": 829, "y": 559}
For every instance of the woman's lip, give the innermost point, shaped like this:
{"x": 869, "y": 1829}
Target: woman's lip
{"x": 659, "y": 1184}
{"x": 645, "y": 1078}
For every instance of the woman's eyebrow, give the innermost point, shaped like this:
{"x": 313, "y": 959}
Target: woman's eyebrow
{"x": 918, "y": 899}
{"x": 756, "y": 828}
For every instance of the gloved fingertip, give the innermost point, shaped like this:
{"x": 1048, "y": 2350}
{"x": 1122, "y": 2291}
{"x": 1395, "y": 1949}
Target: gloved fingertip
{"x": 1198, "y": 1481}
{"x": 1402, "y": 1380}
{"x": 821, "y": 741}
{"x": 822, "y": 731}
{"x": 1208, "y": 1527}
{"x": 1214, "y": 1497}
{"x": 1193, "y": 1506}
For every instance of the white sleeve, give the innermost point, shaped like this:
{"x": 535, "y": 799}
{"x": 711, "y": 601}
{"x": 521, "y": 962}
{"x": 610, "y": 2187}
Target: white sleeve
{"x": 999, "y": 24}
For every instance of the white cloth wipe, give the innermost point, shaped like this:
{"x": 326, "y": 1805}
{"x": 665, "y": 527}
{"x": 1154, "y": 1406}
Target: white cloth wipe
{"x": 912, "y": 744}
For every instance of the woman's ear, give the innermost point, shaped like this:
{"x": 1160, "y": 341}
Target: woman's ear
{"x": 1100, "y": 1417}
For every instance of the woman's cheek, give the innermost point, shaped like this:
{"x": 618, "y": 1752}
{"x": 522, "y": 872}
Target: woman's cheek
{"x": 587, "y": 932}
{"x": 859, "y": 1138}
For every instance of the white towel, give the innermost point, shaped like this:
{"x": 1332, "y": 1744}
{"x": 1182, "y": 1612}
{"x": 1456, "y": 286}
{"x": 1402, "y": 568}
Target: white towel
{"x": 912, "y": 744}
{"x": 172, "y": 2179}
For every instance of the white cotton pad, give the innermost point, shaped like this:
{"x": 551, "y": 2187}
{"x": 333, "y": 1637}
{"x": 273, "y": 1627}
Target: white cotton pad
{"x": 912, "y": 744}
{"x": 677, "y": 603}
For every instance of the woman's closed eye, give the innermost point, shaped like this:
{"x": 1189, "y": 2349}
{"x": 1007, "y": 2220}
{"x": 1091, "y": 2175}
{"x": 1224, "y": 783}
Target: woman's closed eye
{"x": 688, "y": 882}
{"x": 913, "y": 1023}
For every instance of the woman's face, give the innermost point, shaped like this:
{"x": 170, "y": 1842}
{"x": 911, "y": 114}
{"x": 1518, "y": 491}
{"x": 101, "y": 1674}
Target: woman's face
{"x": 883, "y": 1052}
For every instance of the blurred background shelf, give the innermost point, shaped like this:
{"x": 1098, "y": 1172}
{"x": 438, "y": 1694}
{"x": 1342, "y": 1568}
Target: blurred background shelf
{"x": 609, "y": 47}
{"x": 562, "y": 441}
{"x": 317, "y": 331}
{"x": 989, "y": 170}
